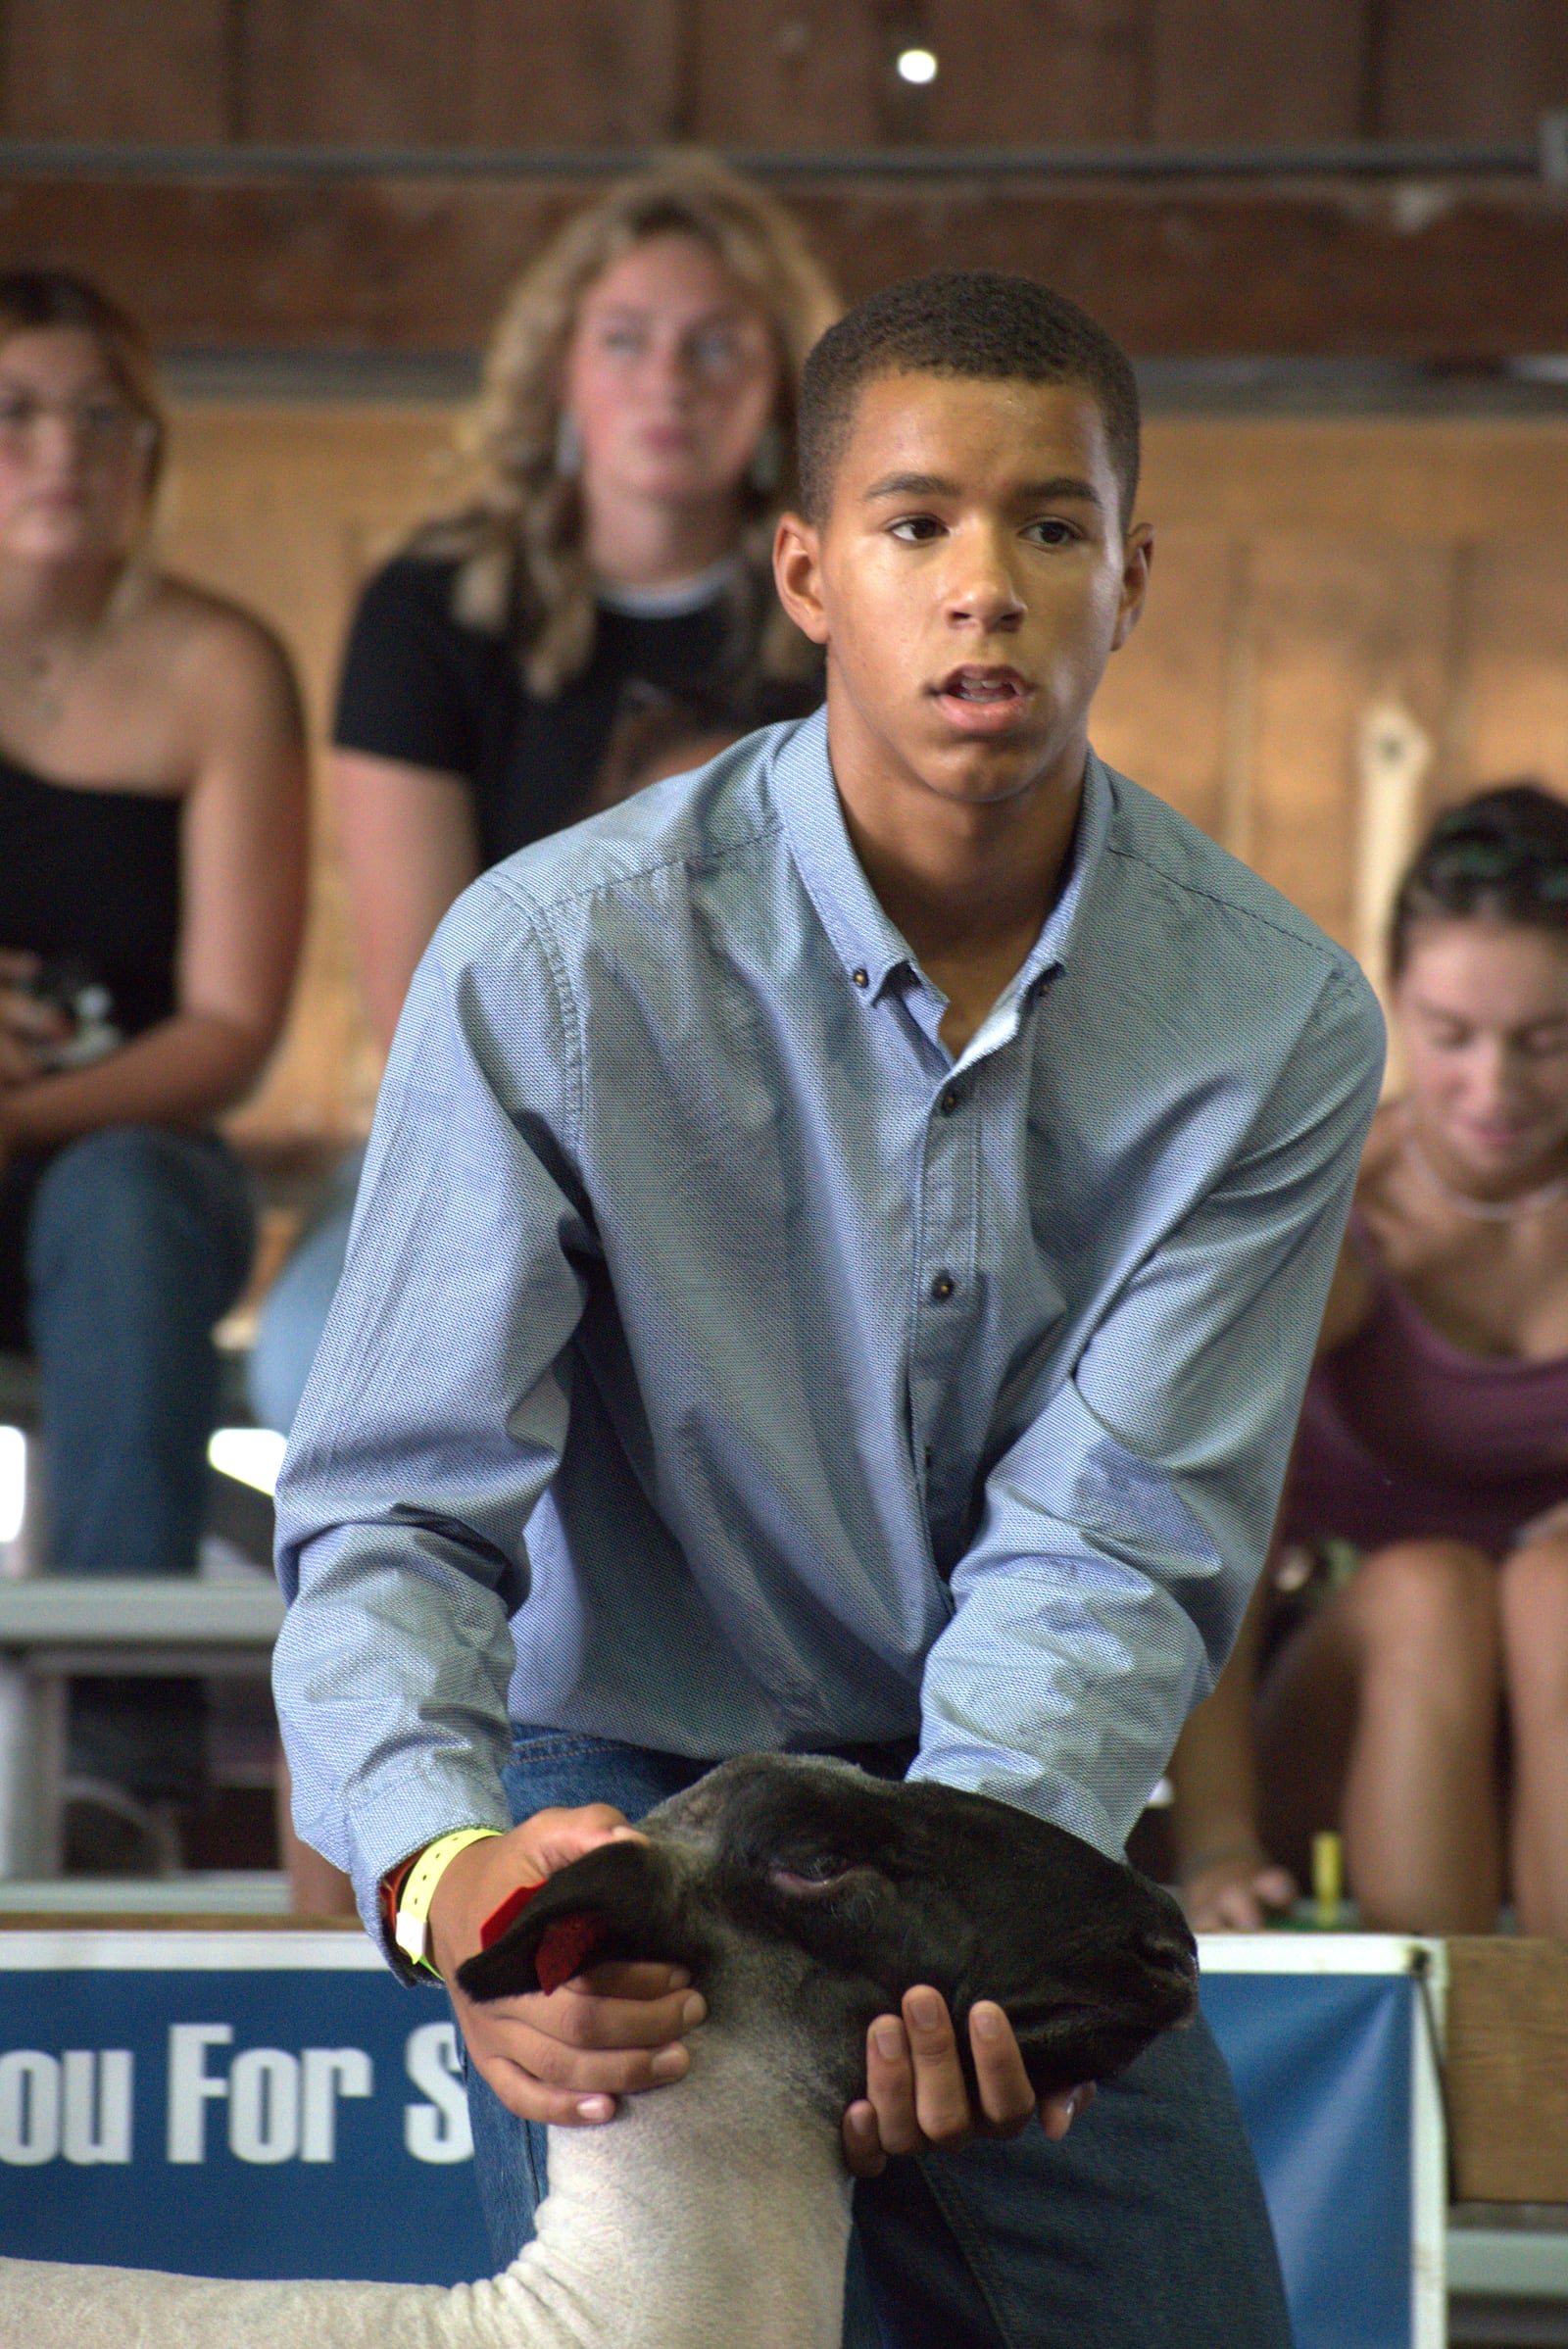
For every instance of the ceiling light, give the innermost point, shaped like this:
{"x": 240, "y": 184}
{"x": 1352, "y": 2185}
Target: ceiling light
{"x": 918, "y": 66}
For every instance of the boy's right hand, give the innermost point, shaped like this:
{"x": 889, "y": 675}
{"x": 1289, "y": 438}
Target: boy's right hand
{"x": 562, "y": 2059}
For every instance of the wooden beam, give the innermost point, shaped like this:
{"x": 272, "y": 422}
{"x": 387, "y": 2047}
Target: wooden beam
{"x": 1295, "y": 70}
{"x": 1467, "y": 68}
{"x": 116, "y": 69}
{"x": 1456, "y": 273}
{"x": 1014, "y": 73}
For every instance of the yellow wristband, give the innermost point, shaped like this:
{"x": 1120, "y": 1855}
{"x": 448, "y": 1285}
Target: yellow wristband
{"x": 411, "y": 1930}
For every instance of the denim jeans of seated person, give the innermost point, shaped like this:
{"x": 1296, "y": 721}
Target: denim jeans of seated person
{"x": 295, "y": 1309}
{"x": 118, "y": 1253}
{"x": 1145, "y": 2230}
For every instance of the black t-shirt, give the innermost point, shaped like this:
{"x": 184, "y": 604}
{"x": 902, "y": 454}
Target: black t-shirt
{"x": 420, "y": 687}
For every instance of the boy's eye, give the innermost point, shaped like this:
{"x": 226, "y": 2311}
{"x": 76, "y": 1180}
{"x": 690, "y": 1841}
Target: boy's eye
{"x": 1049, "y": 531}
{"x": 915, "y": 530}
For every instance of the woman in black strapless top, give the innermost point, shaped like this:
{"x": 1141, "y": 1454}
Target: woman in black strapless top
{"x": 152, "y": 840}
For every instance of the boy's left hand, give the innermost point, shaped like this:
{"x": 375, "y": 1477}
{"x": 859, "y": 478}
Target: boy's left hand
{"x": 915, "y": 2093}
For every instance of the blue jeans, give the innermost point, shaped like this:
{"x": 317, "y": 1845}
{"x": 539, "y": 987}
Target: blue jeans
{"x": 118, "y": 1253}
{"x": 295, "y": 1309}
{"x": 1145, "y": 2230}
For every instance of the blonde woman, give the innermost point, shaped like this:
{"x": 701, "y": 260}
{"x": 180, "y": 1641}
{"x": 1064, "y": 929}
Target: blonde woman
{"x": 629, "y": 453}
{"x": 152, "y": 837}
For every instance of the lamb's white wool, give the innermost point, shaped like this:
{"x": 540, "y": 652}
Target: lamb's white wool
{"x": 715, "y": 2213}
{"x": 703, "y": 2218}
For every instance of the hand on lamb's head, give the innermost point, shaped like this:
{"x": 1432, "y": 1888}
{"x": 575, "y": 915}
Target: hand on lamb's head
{"x": 808, "y": 1898}
{"x": 807, "y": 1902}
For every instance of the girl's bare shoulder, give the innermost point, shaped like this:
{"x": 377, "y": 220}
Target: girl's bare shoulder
{"x": 214, "y": 654}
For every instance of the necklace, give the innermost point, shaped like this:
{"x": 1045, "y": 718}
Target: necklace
{"x": 1482, "y": 1210}
{"x": 44, "y": 692}
{"x": 46, "y": 673}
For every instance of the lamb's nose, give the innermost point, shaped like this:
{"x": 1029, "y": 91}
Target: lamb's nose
{"x": 1170, "y": 1951}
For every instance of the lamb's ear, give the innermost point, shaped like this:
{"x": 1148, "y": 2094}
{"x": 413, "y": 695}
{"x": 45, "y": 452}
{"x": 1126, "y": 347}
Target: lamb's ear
{"x": 620, "y": 1902}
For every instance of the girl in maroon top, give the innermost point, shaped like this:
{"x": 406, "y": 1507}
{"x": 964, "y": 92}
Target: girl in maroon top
{"x": 1404, "y": 1673}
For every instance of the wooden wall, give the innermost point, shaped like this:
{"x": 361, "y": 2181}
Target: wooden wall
{"x": 777, "y": 73}
{"x": 288, "y": 508}
{"x": 1307, "y": 574}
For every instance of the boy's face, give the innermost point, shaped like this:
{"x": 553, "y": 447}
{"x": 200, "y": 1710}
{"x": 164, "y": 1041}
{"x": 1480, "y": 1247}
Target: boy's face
{"x": 970, "y": 580}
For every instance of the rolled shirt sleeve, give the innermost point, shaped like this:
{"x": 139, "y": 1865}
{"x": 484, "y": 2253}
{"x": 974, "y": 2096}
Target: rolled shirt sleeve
{"x": 435, "y": 1413}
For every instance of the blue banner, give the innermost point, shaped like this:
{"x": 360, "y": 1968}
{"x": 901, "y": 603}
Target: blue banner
{"x": 268, "y": 2104}
{"x": 248, "y": 2118}
{"x": 1322, "y": 2066}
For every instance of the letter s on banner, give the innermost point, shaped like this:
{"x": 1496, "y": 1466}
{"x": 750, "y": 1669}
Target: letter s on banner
{"x": 437, "y": 2132}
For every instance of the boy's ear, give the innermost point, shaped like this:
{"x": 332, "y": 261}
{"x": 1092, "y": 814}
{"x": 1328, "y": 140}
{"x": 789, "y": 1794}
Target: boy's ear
{"x": 617, "y": 1904}
{"x": 798, "y": 575}
{"x": 1138, "y": 554}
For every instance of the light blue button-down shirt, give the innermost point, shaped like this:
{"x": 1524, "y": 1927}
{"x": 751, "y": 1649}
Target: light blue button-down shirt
{"x": 720, "y": 1365}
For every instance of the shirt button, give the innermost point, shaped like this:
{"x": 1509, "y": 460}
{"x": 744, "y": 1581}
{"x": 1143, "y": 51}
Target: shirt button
{"x": 862, "y": 978}
{"x": 942, "y": 1288}
{"x": 949, "y": 1101}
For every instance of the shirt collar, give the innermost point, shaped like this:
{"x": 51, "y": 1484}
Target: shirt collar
{"x": 870, "y": 947}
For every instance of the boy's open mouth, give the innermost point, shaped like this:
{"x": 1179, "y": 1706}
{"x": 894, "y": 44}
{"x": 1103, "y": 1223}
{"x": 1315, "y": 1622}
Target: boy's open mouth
{"x": 980, "y": 697}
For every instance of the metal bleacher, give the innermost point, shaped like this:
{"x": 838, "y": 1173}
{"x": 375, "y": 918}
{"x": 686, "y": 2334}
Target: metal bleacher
{"x": 55, "y": 1628}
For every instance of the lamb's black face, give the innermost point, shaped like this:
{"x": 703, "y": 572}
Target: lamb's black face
{"x": 878, "y": 1887}
{"x": 920, "y": 1882}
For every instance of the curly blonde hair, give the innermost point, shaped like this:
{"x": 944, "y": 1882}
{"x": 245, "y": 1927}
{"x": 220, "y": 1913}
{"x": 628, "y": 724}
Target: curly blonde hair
{"x": 516, "y": 534}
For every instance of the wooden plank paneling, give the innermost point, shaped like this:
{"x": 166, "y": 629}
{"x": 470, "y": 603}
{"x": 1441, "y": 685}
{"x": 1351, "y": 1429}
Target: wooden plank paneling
{"x": 1457, "y": 480}
{"x": 1227, "y": 72}
{"x": 1036, "y": 72}
{"x": 788, "y": 73}
{"x": 357, "y": 72}
{"x": 418, "y": 265}
{"x": 1517, "y": 665}
{"x": 599, "y": 74}
{"x": 1303, "y": 571}
{"x": 287, "y": 509}
{"x": 1162, "y": 714}
{"x": 798, "y": 73}
{"x": 117, "y": 68}
{"x": 1335, "y": 626}
{"x": 1469, "y": 69}
{"x": 457, "y": 73}
{"x": 1507, "y": 2070}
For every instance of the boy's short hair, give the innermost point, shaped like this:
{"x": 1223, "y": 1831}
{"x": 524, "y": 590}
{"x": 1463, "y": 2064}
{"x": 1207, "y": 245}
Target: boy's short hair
{"x": 981, "y": 324}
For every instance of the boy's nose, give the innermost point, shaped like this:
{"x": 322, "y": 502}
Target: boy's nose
{"x": 986, "y": 598}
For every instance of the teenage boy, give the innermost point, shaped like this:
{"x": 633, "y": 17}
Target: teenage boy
{"x": 836, "y": 1270}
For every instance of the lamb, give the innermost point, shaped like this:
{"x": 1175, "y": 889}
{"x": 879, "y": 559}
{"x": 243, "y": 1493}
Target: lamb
{"x": 806, "y": 1897}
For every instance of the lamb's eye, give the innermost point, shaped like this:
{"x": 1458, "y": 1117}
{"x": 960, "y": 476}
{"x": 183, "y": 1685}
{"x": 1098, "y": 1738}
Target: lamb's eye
{"x": 810, "y": 1873}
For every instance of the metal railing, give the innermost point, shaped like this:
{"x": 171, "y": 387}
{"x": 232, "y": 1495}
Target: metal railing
{"x": 1545, "y": 157}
